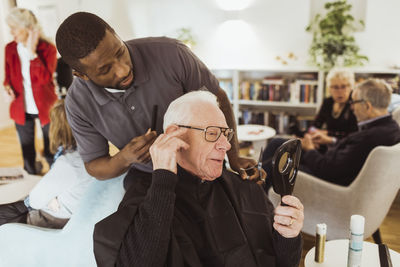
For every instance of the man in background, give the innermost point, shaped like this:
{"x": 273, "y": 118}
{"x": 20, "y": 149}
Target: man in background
{"x": 342, "y": 162}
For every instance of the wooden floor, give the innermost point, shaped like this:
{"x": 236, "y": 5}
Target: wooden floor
{"x": 10, "y": 150}
{"x": 10, "y": 155}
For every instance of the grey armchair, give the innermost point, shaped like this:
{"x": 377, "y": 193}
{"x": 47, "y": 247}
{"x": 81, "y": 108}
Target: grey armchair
{"x": 396, "y": 115}
{"x": 371, "y": 195}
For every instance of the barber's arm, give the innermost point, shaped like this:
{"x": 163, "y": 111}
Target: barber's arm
{"x": 94, "y": 149}
{"x": 136, "y": 151}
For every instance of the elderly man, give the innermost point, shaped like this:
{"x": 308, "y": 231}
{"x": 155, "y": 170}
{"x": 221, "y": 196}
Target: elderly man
{"x": 192, "y": 212}
{"x": 341, "y": 163}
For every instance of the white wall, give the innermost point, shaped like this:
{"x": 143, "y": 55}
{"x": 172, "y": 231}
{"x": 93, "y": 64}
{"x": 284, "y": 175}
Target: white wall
{"x": 381, "y": 39}
{"x": 4, "y": 39}
{"x": 268, "y": 28}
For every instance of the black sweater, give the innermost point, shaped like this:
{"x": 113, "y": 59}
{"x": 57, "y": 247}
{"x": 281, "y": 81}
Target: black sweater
{"x": 183, "y": 222}
{"x": 338, "y": 127}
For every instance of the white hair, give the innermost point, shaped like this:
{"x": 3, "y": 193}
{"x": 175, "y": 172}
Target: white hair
{"x": 340, "y": 73}
{"x": 24, "y": 18}
{"x": 180, "y": 111}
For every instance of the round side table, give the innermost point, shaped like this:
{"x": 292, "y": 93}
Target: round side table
{"x": 336, "y": 255}
{"x": 257, "y": 134}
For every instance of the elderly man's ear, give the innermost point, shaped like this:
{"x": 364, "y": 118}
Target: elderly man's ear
{"x": 172, "y": 128}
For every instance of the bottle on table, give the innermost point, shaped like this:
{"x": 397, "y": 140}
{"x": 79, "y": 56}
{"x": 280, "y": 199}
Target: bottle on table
{"x": 356, "y": 240}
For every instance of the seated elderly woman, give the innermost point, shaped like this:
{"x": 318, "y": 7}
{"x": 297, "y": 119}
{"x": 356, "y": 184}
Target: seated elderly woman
{"x": 334, "y": 120}
{"x": 191, "y": 211}
{"x": 341, "y": 163}
{"x": 335, "y": 113}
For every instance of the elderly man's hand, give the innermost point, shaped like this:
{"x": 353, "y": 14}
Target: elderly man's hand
{"x": 307, "y": 143}
{"x": 321, "y": 138}
{"x": 288, "y": 220}
{"x": 164, "y": 149}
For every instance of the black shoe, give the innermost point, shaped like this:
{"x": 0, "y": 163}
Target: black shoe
{"x": 38, "y": 167}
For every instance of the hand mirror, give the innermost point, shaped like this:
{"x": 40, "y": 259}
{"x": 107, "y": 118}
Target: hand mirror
{"x": 285, "y": 164}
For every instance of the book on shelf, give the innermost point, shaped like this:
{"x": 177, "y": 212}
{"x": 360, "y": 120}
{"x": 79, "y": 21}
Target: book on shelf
{"x": 279, "y": 90}
{"x": 278, "y": 120}
{"x": 306, "y": 91}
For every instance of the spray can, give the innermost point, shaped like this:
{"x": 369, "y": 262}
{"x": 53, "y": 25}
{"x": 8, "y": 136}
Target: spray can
{"x": 356, "y": 240}
{"x": 320, "y": 239}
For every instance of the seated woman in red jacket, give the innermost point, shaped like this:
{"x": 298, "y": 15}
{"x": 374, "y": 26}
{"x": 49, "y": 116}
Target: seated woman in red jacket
{"x": 30, "y": 61}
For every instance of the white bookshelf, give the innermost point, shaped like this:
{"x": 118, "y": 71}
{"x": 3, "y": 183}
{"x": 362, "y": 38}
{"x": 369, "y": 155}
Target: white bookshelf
{"x": 237, "y": 76}
{"x": 295, "y": 75}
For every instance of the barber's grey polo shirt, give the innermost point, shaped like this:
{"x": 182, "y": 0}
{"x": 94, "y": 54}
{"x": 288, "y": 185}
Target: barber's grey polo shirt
{"x": 163, "y": 69}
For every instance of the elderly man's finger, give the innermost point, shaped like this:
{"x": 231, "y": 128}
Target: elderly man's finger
{"x": 288, "y": 211}
{"x": 293, "y": 202}
{"x": 284, "y": 220}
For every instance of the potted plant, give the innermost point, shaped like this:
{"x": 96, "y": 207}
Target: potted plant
{"x": 333, "y": 42}
{"x": 186, "y": 37}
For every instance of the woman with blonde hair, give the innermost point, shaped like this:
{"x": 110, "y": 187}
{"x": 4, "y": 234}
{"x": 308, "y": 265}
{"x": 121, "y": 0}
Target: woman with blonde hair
{"x": 30, "y": 62}
{"x": 335, "y": 113}
{"x": 56, "y": 197}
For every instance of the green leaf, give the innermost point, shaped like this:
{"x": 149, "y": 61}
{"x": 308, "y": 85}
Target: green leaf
{"x": 333, "y": 37}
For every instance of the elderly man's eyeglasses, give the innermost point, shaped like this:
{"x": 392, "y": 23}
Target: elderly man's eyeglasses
{"x": 352, "y": 102}
{"x": 212, "y": 133}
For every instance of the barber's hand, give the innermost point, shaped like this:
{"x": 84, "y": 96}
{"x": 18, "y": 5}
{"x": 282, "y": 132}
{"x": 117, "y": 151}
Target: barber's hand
{"x": 321, "y": 138}
{"x": 288, "y": 220}
{"x": 247, "y": 168}
{"x": 10, "y": 93}
{"x": 307, "y": 143}
{"x": 32, "y": 41}
{"x": 164, "y": 149}
{"x": 137, "y": 150}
